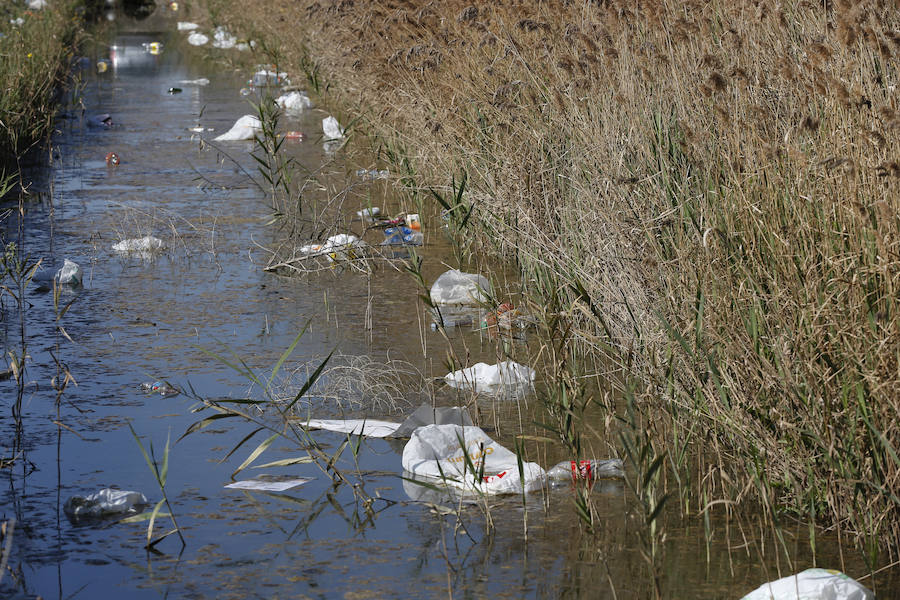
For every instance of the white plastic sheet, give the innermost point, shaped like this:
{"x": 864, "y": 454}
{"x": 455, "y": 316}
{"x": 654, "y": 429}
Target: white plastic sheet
{"x": 438, "y": 452}
{"x": 245, "y": 128}
{"x": 456, "y": 287}
{"x": 812, "y": 584}
{"x": 69, "y": 274}
{"x": 367, "y": 427}
{"x": 266, "y": 485}
{"x": 488, "y": 378}
{"x": 294, "y": 102}
{"x": 332, "y": 129}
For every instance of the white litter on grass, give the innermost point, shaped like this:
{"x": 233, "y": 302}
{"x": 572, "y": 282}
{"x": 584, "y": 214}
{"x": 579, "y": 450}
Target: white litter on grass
{"x": 456, "y": 287}
{"x": 198, "y": 81}
{"x": 487, "y": 378}
{"x": 37, "y": 4}
{"x": 187, "y": 26}
{"x": 245, "y": 128}
{"x": 198, "y": 39}
{"x": 263, "y": 485}
{"x": 105, "y": 503}
{"x": 145, "y": 245}
{"x": 294, "y": 102}
{"x": 332, "y": 129}
{"x": 438, "y": 452}
{"x": 812, "y": 584}
{"x": 222, "y": 39}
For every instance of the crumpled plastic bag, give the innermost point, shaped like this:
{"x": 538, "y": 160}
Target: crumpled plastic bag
{"x": 487, "y": 378}
{"x": 332, "y": 129}
{"x": 198, "y": 39}
{"x": 223, "y": 39}
{"x": 294, "y": 102}
{"x": 344, "y": 246}
{"x": 245, "y": 128}
{"x": 105, "y": 503}
{"x": 145, "y": 246}
{"x": 812, "y": 584}
{"x": 434, "y": 452}
{"x": 456, "y": 287}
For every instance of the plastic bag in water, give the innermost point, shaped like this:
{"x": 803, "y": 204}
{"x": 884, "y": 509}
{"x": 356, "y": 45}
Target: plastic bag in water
{"x": 245, "y": 128}
{"x": 105, "y": 503}
{"x": 487, "y": 378}
{"x": 332, "y": 129}
{"x": 812, "y": 584}
{"x": 456, "y": 287}
{"x": 294, "y": 102}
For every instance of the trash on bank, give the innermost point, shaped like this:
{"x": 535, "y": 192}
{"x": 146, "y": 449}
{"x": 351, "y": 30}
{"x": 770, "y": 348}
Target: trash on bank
{"x": 812, "y": 584}
{"x": 344, "y": 246}
{"x": 187, "y": 26}
{"x": 265, "y": 485}
{"x": 488, "y": 378}
{"x": 295, "y": 136}
{"x": 245, "y": 128}
{"x": 112, "y": 159}
{"x": 506, "y": 317}
{"x": 223, "y": 39}
{"x": 197, "y": 39}
{"x": 332, "y": 129}
{"x": 456, "y": 287}
{"x": 199, "y": 81}
{"x": 37, "y": 4}
{"x": 160, "y": 387}
{"x": 104, "y": 503}
{"x": 439, "y": 452}
{"x": 424, "y": 415}
{"x": 294, "y": 102}
{"x": 372, "y": 174}
{"x": 145, "y": 245}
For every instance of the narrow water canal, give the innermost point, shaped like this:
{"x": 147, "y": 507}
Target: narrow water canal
{"x": 140, "y": 319}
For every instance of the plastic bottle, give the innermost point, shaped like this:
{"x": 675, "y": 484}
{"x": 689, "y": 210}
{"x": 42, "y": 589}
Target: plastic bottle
{"x": 586, "y": 469}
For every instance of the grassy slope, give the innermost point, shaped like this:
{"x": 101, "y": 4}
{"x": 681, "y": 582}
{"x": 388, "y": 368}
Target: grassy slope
{"x": 721, "y": 178}
{"x": 33, "y": 58}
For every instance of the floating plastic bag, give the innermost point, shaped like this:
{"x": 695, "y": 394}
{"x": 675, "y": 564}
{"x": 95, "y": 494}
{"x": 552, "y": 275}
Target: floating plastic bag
{"x": 456, "y": 287}
{"x": 344, "y": 246}
{"x": 198, "y": 81}
{"x": 245, "y": 128}
{"x": 222, "y": 39}
{"x": 266, "y": 76}
{"x": 145, "y": 245}
{"x": 486, "y": 378}
{"x": 369, "y": 213}
{"x": 198, "y": 39}
{"x": 294, "y": 102}
{"x": 435, "y": 452}
{"x": 812, "y": 584}
{"x": 105, "y": 503}
{"x": 187, "y": 26}
{"x": 332, "y": 129}
{"x": 37, "y": 4}
{"x": 69, "y": 274}
{"x": 424, "y": 415}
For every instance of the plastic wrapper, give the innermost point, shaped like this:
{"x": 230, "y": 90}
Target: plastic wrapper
{"x": 456, "y": 287}
{"x": 245, "y": 128}
{"x": 104, "y": 503}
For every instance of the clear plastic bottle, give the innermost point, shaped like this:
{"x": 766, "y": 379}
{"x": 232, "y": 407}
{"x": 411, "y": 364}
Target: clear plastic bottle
{"x": 586, "y": 469}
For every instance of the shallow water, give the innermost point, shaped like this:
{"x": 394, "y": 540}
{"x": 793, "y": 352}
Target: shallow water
{"x": 139, "y": 320}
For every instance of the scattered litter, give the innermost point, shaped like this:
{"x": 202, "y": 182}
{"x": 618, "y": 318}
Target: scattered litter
{"x": 112, "y": 159}
{"x": 102, "y": 66}
{"x": 263, "y": 485}
{"x": 506, "y": 316}
{"x": 197, "y": 39}
{"x": 145, "y": 245}
{"x": 246, "y": 91}
{"x": 198, "y": 81}
{"x": 294, "y": 102}
{"x": 245, "y": 128}
{"x": 402, "y": 236}
{"x": 160, "y": 387}
{"x": 332, "y": 129}
{"x": 199, "y": 129}
{"x": 456, "y": 287}
{"x": 438, "y": 452}
{"x": 487, "y": 378}
{"x": 812, "y": 584}
{"x": 587, "y": 470}
{"x": 312, "y": 249}
{"x": 244, "y": 46}
{"x": 105, "y": 503}
{"x": 222, "y": 39}
{"x": 373, "y": 174}
{"x": 296, "y": 136}
{"x": 424, "y": 415}
{"x": 154, "y": 48}
{"x": 175, "y": 90}
{"x": 187, "y": 26}
{"x": 267, "y": 76}
{"x": 37, "y": 4}
{"x": 69, "y": 274}
{"x": 104, "y": 120}
{"x": 413, "y": 222}
{"x": 369, "y": 213}
{"x": 344, "y": 246}
{"x": 452, "y": 320}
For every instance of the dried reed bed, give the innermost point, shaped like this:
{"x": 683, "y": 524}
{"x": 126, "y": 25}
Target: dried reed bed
{"x": 721, "y": 179}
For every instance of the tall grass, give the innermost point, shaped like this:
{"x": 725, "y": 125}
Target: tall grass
{"x": 718, "y": 180}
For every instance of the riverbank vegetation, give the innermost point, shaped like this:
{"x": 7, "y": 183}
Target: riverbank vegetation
{"x": 36, "y": 47}
{"x": 712, "y": 190}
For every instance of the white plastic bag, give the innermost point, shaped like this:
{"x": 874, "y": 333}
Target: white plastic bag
{"x": 245, "y": 128}
{"x": 294, "y": 102}
{"x": 187, "y": 26}
{"x": 435, "y": 452}
{"x": 145, "y": 245}
{"x": 812, "y": 584}
{"x": 223, "y": 39}
{"x": 107, "y": 502}
{"x": 456, "y": 287}
{"x": 69, "y": 274}
{"x": 486, "y": 378}
{"x": 344, "y": 246}
{"x": 197, "y": 39}
{"x": 332, "y": 129}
